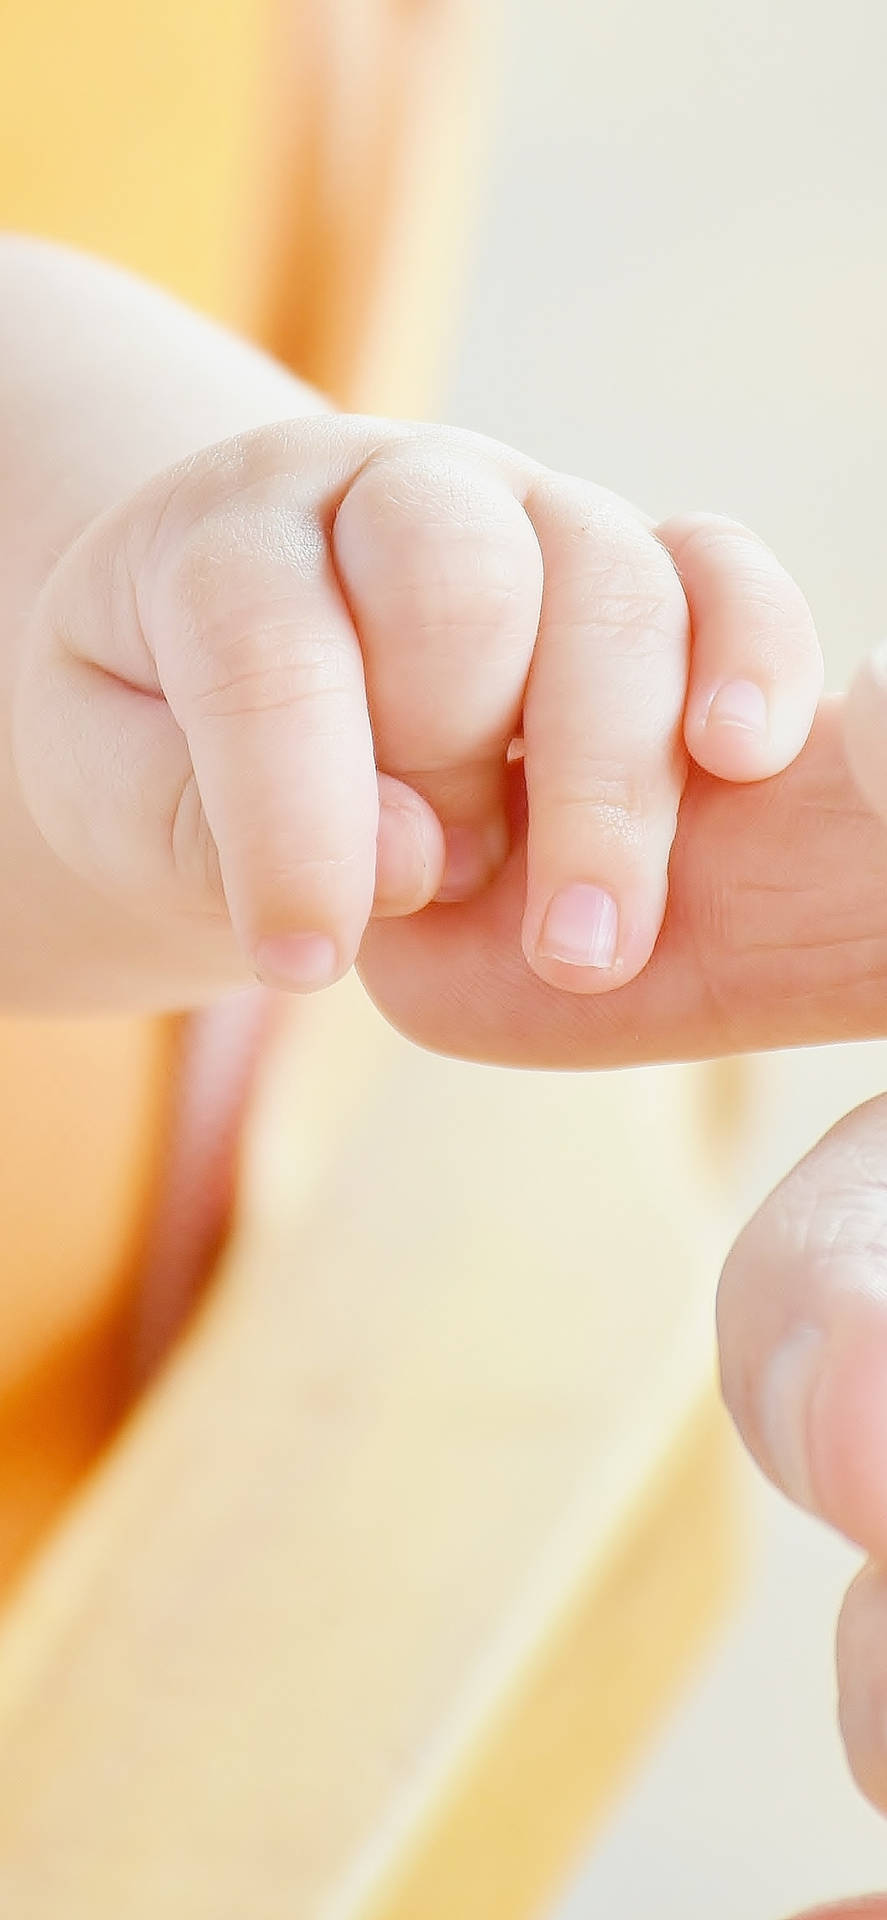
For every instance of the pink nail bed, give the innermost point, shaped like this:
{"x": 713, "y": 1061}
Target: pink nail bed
{"x": 581, "y": 927}
{"x": 739, "y": 703}
{"x": 297, "y": 962}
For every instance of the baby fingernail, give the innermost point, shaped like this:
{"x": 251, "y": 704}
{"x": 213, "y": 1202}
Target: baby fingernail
{"x": 297, "y": 962}
{"x": 581, "y": 928}
{"x": 785, "y": 1412}
{"x": 472, "y": 856}
{"x": 739, "y": 703}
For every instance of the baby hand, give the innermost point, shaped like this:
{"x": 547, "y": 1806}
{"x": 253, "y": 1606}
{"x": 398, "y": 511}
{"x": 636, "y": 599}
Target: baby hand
{"x": 275, "y": 694}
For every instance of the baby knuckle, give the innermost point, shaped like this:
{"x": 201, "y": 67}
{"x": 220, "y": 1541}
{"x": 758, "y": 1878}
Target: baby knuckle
{"x": 242, "y": 563}
{"x": 449, "y": 545}
{"x": 258, "y": 672}
{"x": 231, "y": 632}
{"x": 245, "y": 467}
{"x": 755, "y": 575}
{"x": 636, "y": 601}
{"x": 707, "y": 533}
{"x": 253, "y": 550}
{"x": 615, "y": 573}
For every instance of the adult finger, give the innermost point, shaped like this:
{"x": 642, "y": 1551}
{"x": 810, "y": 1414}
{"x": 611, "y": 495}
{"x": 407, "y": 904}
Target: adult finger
{"x": 775, "y": 935}
{"x": 802, "y": 1326}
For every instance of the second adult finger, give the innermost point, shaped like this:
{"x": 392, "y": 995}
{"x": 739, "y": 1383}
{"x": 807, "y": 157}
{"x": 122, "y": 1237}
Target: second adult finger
{"x": 802, "y": 1326}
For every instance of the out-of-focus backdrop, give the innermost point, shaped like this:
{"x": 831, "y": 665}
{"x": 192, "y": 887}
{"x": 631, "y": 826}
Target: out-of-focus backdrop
{"x": 433, "y": 1633}
{"x": 680, "y": 289}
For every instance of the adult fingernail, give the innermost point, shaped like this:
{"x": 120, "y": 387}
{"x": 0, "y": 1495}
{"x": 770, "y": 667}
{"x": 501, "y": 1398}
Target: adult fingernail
{"x": 581, "y": 928}
{"x": 297, "y": 962}
{"x": 788, "y": 1388}
{"x": 739, "y": 703}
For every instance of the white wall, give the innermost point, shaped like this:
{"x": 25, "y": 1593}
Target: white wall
{"x": 680, "y": 289}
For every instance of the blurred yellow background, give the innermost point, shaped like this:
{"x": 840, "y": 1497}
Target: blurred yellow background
{"x": 674, "y": 281}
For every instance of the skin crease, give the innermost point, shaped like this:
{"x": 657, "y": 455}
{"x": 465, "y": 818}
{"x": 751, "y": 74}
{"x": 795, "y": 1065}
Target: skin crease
{"x": 238, "y": 612}
{"x": 802, "y": 1322}
{"x": 775, "y": 935}
{"x": 775, "y": 930}
{"x": 320, "y": 594}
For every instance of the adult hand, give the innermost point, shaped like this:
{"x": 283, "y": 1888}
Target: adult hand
{"x": 802, "y": 1319}
{"x": 873, "y": 1909}
{"x": 775, "y": 936}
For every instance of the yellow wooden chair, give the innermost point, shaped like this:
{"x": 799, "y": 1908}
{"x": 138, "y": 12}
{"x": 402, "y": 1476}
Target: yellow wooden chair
{"x": 365, "y": 1608}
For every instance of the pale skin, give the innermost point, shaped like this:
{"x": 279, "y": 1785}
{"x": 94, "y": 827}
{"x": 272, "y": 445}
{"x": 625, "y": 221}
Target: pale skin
{"x": 339, "y": 596}
{"x": 265, "y": 670}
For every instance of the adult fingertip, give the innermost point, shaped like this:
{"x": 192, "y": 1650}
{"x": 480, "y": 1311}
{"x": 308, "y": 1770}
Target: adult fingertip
{"x": 811, "y": 1403}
